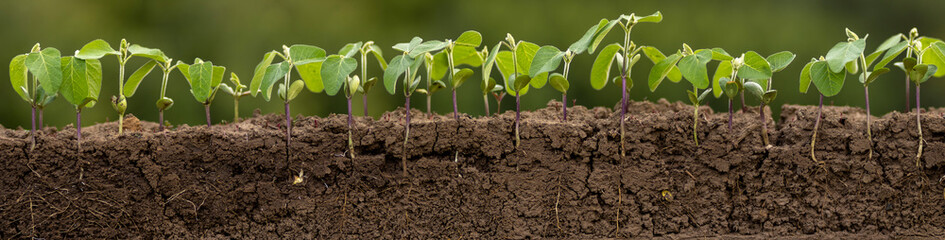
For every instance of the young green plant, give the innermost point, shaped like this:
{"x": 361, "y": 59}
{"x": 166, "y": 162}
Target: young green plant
{"x": 929, "y": 61}
{"x": 45, "y": 66}
{"x": 238, "y": 90}
{"x": 764, "y": 94}
{"x": 435, "y": 66}
{"x": 81, "y": 84}
{"x": 100, "y": 48}
{"x": 363, "y": 49}
{"x": 600, "y": 71}
{"x": 407, "y": 65}
{"x": 488, "y": 84}
{"x": 513, "y": 65}
{"x": 307, "y": 61}
{"x": 458, "y": 52}
{"x": 204, "y": 79}
{"x": 828, "y": 76}
{"x": 336, "y": 74}
{"x": 159, "y": 59}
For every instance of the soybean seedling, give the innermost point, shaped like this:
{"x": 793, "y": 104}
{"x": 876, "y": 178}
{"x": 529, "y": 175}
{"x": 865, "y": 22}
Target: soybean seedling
{"x": 435, "y": 66}
{"x": 307, "y": 61}
{"x": 513, "y": 65}
{"x": 458, "y": 52}
{"x": 600, "y": 71}
{"x": 765, "y": 94}
{"x": 929, "y": 62}
{"x": 828, "y": 76}
{"x": 237, "y": 91}
{"x": 725, "y": 80}
{"x": 363, "y": 50}
{"x": 100, "y": 48}
{"x": 204, "y": 79}
{"x": 335, "y": 73}
{"x": 81, "y": 84}
{"x": 407, "y": 65}
{"x": 547, "y": 59}
{"x": 488, "y": 84}
{"x": 45, "y": 66}
{"x": 692, "y": 66}
{"x": 157, "y": 59}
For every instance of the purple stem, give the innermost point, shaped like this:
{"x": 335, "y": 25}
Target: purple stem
{"x": 623, "y": 108}
{"x": 350, "y": 119}
{"x": 729, "y": 114}
{"x": 33, "y": 129}
{"x": 288, "y": 130}
{"x": 517, "y": 117}
{"x": 455, "y": 108}
{"x": 764, "y": 123}
{"x": 78, "y": 127}
{"x": 161, "y": 119}
{"x": 564, "y": 105}
{"x": 907, "y": 92}
{"x": 207, "y": 108}
{"x": 364, "y": 101}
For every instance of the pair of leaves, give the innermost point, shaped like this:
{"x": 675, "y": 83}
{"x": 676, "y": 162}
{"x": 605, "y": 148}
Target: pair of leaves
{"x": 729, "y": 86}
{"x": 765, "y": 96}
{"x": 336, "y": 71}
{"x": 294, "y": 90}
{"x": 827, "y": 82}
{"x": 46, "y": 66}
{"x": 697, "y": 99}
{"x": 82, "y": 81}
{"x": 595, "y": 34}
{"x": 843, "y": 53}
{"x": 664, "y": 67}
{"x": 203, "y": 77}
{"x": 488, "y": 61}
{"x": 307, "y": 60}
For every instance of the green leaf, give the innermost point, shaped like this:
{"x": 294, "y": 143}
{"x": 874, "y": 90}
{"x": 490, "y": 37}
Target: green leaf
{"x": 440, "y": 65}
{"x": 152, "y": 53}
{"x": 769, "y": 96}
{"x": 891, "y": 54}
{"x": 724, "y": 70}
{"x": 164, "y": 103}
{"x": 852, "y": 67}
{"x": 521, "y": 82}
{"x": 470, "y": 38}
{"x": 693, "y": 68}
{"x": 490, "y": 61}
{"x": 780, "y": 60}
{"x": 96, "y": 49}
{"x": 922, "y": 72}
{"x": 844, "y": 52}
{"x": 218, "y": 73}
{"x": 756, "y": 67}
{"x": 805, "y": 77}
{"x": 720, "y": 54}
{"x": 354, "y": 84}
{"x": 600, "y": 71}
{"x": 460, "y": 76}
{"x": 379, "y": 56}
{"x": 302, "y": 54}
{"x": 827, "y": 82}
{"x": 656, "y": 56}
{"x": 201, "y": 74}
{"x": 259, "y": 73}
{"x": 599, "y": 36}
{"x": 436, "y": 86}
{"x": 82, "y": 80}
{"x": 135, "y": 79}
{"x": 273, "y": 73}
{"x": 429, "y": 46}
{"x": 504, "y": 62}
{"x": 397, "y": 67}
{"x": 368, "y": 84}
{"x": 584, "y": 42}
{"x": 558, "y": 82}
{"x": 653, "y": 18}
{"x": 295, "y": 89}
{"x": 661, "y": 69}
{"x": 334, "y": 72}
{"x": 524, "y": 54}
{"x": 704, "y": 94}
{"x": 692, "y": 97}
{"x": 46, "y": 66}
{"x": 875, "y": 75}
{"x": 935, "y": 55}
{"x": 547, "y": 59}
{"x": 729, "y": 86}
{"x": 18, "y": 76}
{"x": 487, "y": 85}
{"x": 227, "y": 89}
{"x": 889, "y": 43}
{"x": 311, "y": 73}
{"x": 754, "y": 89}
{"x": 349, "y": 50}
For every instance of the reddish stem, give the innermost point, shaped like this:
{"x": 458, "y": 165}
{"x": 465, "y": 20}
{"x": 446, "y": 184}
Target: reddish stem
{"x": 33, "y": 128}
{"x": 78, "y": 128}
{"x": 564, "y": 106}
{"x": 455, "y": 108}
{"x": 288, "y": 130}
{"x": 161, "y": 119}
{"x": 364, "y": 102}
{"x": 207, "y": 108}
{"x": 518, "y": 116}
{"x": 907, "y": 93}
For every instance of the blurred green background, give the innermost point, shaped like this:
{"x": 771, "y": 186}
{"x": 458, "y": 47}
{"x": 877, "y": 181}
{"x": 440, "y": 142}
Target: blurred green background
{"x": 236, "y": 33}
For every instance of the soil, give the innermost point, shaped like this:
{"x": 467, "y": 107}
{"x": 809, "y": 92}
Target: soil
{"x": 466, "y": 180}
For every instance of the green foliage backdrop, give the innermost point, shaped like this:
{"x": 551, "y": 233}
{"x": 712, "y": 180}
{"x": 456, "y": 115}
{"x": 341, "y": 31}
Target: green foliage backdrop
{"x": 236, "y": 33}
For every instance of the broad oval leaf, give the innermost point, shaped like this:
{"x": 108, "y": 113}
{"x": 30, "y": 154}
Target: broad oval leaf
{"x": 428, "y": 46}
{"x": 599, "y": 36}
{"x": 720, "y": 54}
{"x": 505, "y": 65}
{"x": 18, "y": 76}
{"x": 311, "y": 73}
{"x": 511, "y": 86}
{"x": 335, "y": 70}
{"x": 754, "y": 89}
{"x": 350, "y": 49}
{"x": 844, "y": 52}
{"x": 653, "y": 18}
{"x": 46, "y": 66}
{"x": 521, "y": 82}
{"x": 780, "y": 60}
{"x": 935, "y": 55}
{"x": 470, "y": 38}
{"x": 891, "y": 54}
{"x": 75, "y": 87}
{"x": 152, "y": 53}
{"x": 547, "y": 59}
{"x": 259, "y": 73}
{"x": 693, "y": 68}
{"x": 440, "y": 65}
{"x": 805, "y": 78}
{"x": 218, "y": 73}
{"x": 584, "y": 42}
{"x": 394, "y": 70}
{"x": 524, "y": 54}
{"x": 272, "y": 74}
{"x": 302, "y": 54}
{"x": 600, "y": 71}
{"x": 558, "y": 82}
{"x": 96, "y": 49}
{"x": 131, "y": 86}
{"x": 295, "y": 89}
{"x": 827, "y": 82}
{"x": 466, "y": 55}
{"x": 756, "y": 67}
{"x": 661, "y": 69}
{"x": 730, "y": 87}
{"x": 656, "y": 56}
{"x": 201, "y": 74}
{"x": 724, "y": 70}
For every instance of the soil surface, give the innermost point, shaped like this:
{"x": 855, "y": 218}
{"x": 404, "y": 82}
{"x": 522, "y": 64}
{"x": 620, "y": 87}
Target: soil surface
{"x": 467, "y": 180}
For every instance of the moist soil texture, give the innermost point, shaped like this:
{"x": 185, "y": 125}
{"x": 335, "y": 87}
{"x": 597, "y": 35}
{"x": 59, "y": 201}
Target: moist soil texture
{"x": 466, "y": 180}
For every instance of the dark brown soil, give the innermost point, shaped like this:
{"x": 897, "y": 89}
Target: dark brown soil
{"x": 466, "y": 180}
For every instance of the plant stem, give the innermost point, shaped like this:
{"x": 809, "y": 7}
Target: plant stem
{"x": 161, "y": 119}
{"x": 517, "y": 117}
{"x": 78, "y": 129}
{"x": 406, "y": 131}
{"x": 729, "y": 114}
{"x": 429, "y": 103}
{"x": 350, "y": 142}
{"x": 869, "y": 133}
{"x": 33, "y": 128}
{"x": 207, "y": 108}
{"x": 485, "y": 101}
{"x": 764, "y": 125}
{"x": 455, "y": 108}
{"x": 236, "y": 110}
{"x": 623, "y": 110}
{"x": 288, "y": 130}
{"x": 695, "y": 123}
{"x": 813, "y": 138}
{"x": 364, "y": 102}
{"x": 121, "y": 118}
{"x": 121, "y": 85}
{"x": 918, "y": 121}
{"x": 564, "y": 107}
{"x": 907, "y": 93}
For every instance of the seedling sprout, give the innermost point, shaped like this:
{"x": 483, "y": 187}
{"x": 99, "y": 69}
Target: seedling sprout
{"x": 45, "y": 66}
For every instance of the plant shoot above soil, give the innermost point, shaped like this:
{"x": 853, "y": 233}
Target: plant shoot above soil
{"x": 100, "y": 48}
{"x": 237, "y": 91}
{"x": 929, "y": 56}
{"x": 336, "y": 74}
{"x": 513, "y": 65}
{"x": 204, "y": 79}
{"x": 45, "y": 67}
